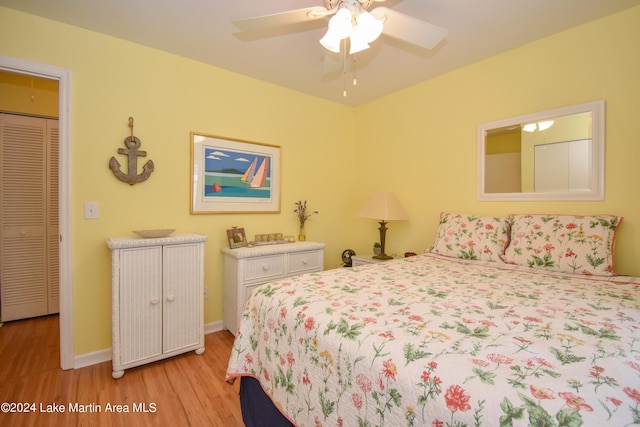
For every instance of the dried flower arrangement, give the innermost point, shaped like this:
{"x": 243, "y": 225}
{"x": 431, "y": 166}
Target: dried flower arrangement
{"x": 303, "y": 215}
{"x": 302, "y": 212}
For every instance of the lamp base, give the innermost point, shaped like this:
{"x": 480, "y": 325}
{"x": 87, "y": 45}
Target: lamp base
{"x": 383, "y": 233}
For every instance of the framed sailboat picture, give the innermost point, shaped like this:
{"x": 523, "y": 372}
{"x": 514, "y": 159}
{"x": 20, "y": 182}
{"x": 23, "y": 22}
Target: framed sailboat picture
{"x": 232, "y": 176}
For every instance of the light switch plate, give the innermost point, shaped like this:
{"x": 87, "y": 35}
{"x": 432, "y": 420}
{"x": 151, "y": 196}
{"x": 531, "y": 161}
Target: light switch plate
{"x": 90, "y": 210}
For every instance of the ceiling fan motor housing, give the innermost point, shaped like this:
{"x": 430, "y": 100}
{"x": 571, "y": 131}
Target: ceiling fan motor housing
{"x": 330, "y": 4}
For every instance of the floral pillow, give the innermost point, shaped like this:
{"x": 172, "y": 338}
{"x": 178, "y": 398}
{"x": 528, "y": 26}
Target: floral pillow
{"x": 471, "y": 236}
{"x": 565, "y": 243}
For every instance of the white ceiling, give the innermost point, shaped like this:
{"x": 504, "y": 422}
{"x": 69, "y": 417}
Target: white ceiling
{"x": 292, "y": 57}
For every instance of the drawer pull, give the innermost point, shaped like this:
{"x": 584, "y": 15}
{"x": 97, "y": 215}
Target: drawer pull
{"x": 154, "y": 301}
{"x": 305, "y": 261}
{"x": 265, "y": 267}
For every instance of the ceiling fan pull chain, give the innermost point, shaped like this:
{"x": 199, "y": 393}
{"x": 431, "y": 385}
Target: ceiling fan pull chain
{"x": 355, "y": 77}
{"x": 344, "y": 85}
{"x": 345, "y": 67}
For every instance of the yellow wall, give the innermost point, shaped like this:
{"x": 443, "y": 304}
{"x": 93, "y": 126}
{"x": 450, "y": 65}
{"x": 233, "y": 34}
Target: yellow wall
{"x": 28, "y": 95}
{"x": 169, "y": 96}
{"x": 419, "y": 142}
{"x": 505, "y": 142}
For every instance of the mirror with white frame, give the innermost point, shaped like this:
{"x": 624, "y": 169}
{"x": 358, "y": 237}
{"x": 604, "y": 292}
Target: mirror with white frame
{"x": 551, "y": 155}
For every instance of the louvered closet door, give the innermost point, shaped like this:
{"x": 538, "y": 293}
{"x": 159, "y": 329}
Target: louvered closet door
{"x": 25, "y": 233}
{"x": 53, "y": 215}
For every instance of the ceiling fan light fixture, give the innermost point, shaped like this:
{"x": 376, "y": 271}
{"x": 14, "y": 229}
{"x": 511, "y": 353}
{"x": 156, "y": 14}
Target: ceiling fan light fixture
{"x": 339, "y": 28}
{"x": 340, "y": 24}
{"x": 369, "y": 28}
{"x": 540, "y": 126}
{"x": 545, "y": 125}
{"x": 357, "y": 41}
{"x": 330, "y": 43}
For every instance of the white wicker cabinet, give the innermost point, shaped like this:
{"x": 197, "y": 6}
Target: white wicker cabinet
{"x": 157, "y": 298}
{"x": 247, "y": 268}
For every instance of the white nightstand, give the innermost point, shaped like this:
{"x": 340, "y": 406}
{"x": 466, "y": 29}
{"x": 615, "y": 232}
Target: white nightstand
{"x": 358, "y": 260}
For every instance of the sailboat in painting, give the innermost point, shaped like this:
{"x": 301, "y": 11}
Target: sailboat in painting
{"x": 248, "y": 175}
{"x": 260, "y": 177}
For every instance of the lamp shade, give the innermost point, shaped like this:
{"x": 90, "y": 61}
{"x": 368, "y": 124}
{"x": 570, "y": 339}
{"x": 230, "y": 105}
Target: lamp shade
{"x": 383, "y": 205}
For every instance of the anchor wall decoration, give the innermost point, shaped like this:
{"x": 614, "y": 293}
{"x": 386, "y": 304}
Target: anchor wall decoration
{"x": 133, "y": 151}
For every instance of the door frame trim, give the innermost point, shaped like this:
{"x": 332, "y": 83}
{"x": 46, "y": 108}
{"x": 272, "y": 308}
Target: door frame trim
{"x": 63, "y": 76}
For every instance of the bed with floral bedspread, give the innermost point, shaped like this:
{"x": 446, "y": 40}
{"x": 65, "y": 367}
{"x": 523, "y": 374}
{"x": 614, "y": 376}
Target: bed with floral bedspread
{"x": 437, "y": 341}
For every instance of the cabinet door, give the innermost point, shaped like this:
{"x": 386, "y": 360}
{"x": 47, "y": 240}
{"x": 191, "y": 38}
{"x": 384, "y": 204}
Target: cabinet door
{"x": 182, "y": 296}
{"x": 140, "y": 303}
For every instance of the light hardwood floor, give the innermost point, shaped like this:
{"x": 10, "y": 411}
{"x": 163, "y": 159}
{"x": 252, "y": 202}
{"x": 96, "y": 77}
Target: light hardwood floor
{"x": 187, "y": 390}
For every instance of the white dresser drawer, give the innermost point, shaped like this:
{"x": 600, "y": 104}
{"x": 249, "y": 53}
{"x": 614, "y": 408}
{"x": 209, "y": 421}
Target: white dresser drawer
{"x": 247, "y": 268}
{"x": 266, "y": 267}
{"x": 300, "y": 262}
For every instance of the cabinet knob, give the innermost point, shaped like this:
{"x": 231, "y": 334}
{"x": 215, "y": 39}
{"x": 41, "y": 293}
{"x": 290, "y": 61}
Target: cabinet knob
{"x": 305, "y": 261}
{"x": 23, "y": 233}
{"x": 154, "y": 301}
{"x": 171, "y": 298}
{"x": 265, "y": 267}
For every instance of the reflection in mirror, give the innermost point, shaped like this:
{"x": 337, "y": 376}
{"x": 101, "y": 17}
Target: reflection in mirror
{"x": 551, "y": 155}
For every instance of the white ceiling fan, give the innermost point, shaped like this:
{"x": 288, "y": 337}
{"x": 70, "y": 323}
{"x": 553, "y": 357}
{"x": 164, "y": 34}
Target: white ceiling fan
{"x": 351, "y": 20}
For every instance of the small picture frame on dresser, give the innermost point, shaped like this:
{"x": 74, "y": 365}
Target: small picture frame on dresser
{"x": 236, "y": 238}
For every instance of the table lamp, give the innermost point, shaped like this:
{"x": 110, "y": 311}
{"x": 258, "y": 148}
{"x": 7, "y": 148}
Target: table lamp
{"x": 383, "y": 206}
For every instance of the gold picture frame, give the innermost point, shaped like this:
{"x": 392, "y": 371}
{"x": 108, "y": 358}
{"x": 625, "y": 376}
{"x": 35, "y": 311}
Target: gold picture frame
{"x": 236, "y": 237}
{"x": 234, "y": 176}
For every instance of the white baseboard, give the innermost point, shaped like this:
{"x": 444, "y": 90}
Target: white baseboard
{"x": 101, "y": 356}
{"x": 93, "y": 358}
{"x": 213, "y": 327}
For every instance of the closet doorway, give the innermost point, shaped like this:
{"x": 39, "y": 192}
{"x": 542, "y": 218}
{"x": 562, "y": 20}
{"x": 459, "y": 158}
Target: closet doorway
{"x": 29, "y": 235}
{"x": 61, "y": 162}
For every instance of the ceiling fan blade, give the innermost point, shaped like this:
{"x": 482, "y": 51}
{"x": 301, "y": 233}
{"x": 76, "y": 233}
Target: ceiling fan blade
{"x": 408, "y": 28}
{"x": 266, "y": 22}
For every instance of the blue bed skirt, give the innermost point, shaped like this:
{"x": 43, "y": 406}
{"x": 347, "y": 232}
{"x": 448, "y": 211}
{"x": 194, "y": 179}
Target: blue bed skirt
{"x": 257, "y": 408}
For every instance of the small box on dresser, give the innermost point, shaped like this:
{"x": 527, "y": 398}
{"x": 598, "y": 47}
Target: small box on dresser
{"x": 157, "y": 298}
{"x": 247, "y": 268}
